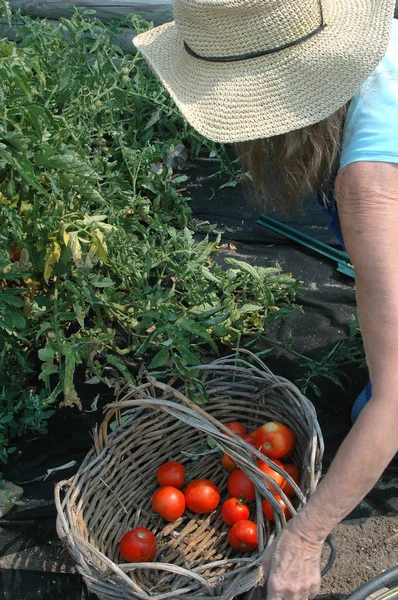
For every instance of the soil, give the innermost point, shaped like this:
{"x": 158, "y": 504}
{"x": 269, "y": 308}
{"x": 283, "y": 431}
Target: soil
{"x": 365, "y": 548}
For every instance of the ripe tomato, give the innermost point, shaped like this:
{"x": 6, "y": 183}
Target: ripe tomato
{"x": 249, "y": 439}
{"x": 138, "y": 545}
{"x": 228, "y": 462}
{"x": 271, "y": 472}
{"x": 202, "y": 496}
{"x": 168, "y": 502}
{"x": 275, "y": 440}
{"x": 236, "y": 427}
{"x": 171, "y": 473}
{"x": 240, "y": 486}
{"x": 294, "y": 473}
{"x": 233, "y": 510}
{"x": 269, "y": 511}
{"x": 243, "y": 536}
{"x": 16, "y": 254}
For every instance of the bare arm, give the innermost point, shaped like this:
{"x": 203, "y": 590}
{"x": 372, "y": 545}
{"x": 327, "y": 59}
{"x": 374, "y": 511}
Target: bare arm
{"x": 368, "y": 206}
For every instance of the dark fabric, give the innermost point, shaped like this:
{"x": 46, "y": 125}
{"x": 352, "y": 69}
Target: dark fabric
{"x": 33, "y": 564}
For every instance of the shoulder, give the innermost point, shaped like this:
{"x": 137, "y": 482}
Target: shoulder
{"x": 366, "y": 183}
{"x": 371, "y": 127}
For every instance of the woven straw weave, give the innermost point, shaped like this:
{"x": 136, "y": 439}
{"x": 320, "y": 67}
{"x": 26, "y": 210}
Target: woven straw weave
{"x": 111, "y": 493}
{"x": 268, "y": 95}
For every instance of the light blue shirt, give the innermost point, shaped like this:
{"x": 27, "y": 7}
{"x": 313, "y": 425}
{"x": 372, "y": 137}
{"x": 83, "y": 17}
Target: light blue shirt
{"x": 371, "y": 127}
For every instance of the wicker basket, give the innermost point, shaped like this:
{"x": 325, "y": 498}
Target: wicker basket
{"x": 111, "y": 493}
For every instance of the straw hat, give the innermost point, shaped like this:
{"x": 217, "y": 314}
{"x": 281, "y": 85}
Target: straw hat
{"x": 245, "y": 69}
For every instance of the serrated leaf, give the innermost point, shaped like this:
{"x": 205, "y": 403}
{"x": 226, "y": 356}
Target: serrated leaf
{"x": 243, "y": 266}
{"x": 208, "y": 274}
{"x": 248, "y": 308}
{"x": 189, "y": 357}
{"x": 17, "y": 319}
{"x": 216, "y": 320}
{"x": 117, "y": 362}
{"x": 101, "y": 282}
{"x": 160, "y": 359}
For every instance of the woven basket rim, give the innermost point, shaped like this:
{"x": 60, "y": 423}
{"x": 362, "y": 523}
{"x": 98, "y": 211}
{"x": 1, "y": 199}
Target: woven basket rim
{"x": 194, "y": 416}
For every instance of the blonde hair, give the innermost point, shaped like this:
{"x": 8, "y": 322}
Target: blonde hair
{"x": 286, "y": 168}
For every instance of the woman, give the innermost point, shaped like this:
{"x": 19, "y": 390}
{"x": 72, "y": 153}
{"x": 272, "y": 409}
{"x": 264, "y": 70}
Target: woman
{"x": 309, "y": 75}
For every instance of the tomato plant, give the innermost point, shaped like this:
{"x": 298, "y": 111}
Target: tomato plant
{"x": 243, "y": 536}
{"x": 240, "y": 486}
{"x": 233, "y": 510}
{"x": 236, "y": 427}
{"x": 265, "y": 468}
{"x": 269, "y": 511}
{"x": 275, "y": 440}
{"x": 202, "y": 496}
{"x": 294, "y": 473}
{"x": 138, "y": 545}
{"x": 228, "y": 463}
{"x": 168, "y": 502}
{"x": 171, "y": 473}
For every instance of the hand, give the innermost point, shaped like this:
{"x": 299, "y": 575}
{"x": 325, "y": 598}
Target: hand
{"x": 292, "y": 566}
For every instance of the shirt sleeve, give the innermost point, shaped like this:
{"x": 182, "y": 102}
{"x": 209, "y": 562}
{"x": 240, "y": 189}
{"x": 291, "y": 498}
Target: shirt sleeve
{"x": 371, "y": 127}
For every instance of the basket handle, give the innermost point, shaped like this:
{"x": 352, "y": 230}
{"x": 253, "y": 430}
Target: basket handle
{"x": 113, "y": 410}
{"x": 63, "y": 530}
{"x": 191, "y": 410}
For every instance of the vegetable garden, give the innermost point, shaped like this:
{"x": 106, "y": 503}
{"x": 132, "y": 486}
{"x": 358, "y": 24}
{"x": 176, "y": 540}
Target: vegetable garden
{"x": 106, "y": 273}
{"x": 101, "y": 262}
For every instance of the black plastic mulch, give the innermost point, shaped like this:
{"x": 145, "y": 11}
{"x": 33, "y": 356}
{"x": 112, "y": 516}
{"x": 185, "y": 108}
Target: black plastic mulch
{"x": 33, "y": 563}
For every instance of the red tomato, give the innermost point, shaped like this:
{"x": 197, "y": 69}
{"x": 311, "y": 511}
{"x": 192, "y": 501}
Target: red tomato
{"x": 16, "y": 254}
{"x": 249, "y": 439}
{"x": 228, "y": 463}
{"x": 269, "y": 511}
{"x": 275, "y": 440}
{"x": 233, "y": 510}
{"x": 243, "y": 536}
{"x": 240, "y": 486}
{"x": 294, "y": 473}
{"x": 168, "y": 502}
{"x": 271, "y": 472}
{"x": 138, "y": 545}
{"x": 236, "y": 427}
{"x": 171, "y": 473}
{"x": 202, "y": 496}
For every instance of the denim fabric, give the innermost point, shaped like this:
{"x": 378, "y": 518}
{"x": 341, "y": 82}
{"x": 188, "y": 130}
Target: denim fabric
{"x": 331, "y": 210}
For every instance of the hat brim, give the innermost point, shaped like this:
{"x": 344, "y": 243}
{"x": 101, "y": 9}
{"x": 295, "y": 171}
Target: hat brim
{"x": 276, "y": 93}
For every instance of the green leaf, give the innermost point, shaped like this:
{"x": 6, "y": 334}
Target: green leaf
{"x": 209, "y": 275}
{"x": 117, "y": 362}
{"x": 101, "y": 282}
{"x": 46, "y": 354}
{"x": 47, "y": 371}
{"x": 249, "y": 308}
{"x": 160, "y": 359}
{"x": 189, "y": 357}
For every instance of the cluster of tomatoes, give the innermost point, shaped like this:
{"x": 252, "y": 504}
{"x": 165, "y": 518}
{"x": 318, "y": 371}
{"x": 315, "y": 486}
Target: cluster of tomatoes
{"x": 273, "y": 439}
{"x": 200, "y": 496}
{"x": 277, "y": 441}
